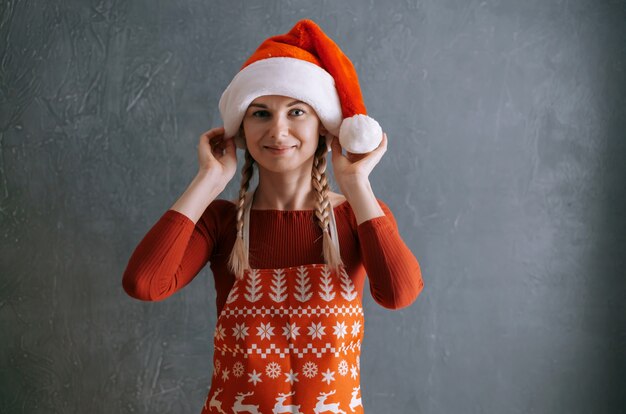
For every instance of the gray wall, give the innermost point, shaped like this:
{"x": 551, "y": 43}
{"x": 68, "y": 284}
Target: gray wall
{"x": 505, "y": 171}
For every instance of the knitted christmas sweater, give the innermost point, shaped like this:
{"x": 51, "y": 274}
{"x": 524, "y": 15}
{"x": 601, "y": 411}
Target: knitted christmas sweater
{"x": 175, "y": 249}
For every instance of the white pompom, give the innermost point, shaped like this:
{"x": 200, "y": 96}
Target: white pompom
{"x": 360, "y": 134}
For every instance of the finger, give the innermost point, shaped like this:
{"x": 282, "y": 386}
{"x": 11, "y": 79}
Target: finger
{"x": 335, "y": 148}
{"x": 382, "y": 143}
{"x": 213, "y": 134}
{"x": 377, "y": 154}
{"x": 229, "y": 146}
{"x": 217, "y": 139}
{"x": 214, "y": 131}
{"x": 373, "y": 156}
{"x": 357, "y": 157}
{"x": 207, "y": 141}
{"x": 381, "y": 148}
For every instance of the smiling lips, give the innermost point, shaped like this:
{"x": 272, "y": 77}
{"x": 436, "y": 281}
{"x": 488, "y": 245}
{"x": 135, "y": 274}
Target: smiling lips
{"x": 279, "y": 150}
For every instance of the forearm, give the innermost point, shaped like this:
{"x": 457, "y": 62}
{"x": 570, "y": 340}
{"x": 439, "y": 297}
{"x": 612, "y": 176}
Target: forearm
{"x": 204, "y": 188}
{"x": 393, "y": 271}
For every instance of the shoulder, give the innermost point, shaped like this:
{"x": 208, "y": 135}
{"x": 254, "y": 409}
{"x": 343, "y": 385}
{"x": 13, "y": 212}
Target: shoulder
{"x": 220, "y": 206}
{"x": 218, "y": 215}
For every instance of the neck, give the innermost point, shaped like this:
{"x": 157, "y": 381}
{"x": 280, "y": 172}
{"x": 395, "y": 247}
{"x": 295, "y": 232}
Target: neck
{"x": 279, "y": 191}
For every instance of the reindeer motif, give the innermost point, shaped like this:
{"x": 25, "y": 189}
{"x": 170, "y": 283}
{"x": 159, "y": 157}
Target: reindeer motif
{"x": 247, "y": 408}
{"x": 355, "y": 402}
{"x": 322, "y": 407}
{"x": 215, "y": 403}
{"x": 279, "y": 407}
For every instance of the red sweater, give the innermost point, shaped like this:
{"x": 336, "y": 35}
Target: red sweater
{"x": 174, "y": 251}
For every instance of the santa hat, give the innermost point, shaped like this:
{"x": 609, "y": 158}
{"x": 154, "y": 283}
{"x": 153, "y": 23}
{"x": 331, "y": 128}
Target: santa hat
{"x": 307, "y": 65}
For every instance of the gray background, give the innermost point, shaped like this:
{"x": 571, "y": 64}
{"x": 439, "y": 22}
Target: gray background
{"x": 505, "y": 170}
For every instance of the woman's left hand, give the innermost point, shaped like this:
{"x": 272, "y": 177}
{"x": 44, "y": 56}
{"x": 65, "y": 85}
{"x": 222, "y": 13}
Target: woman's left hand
{"x": 355, "y": 168}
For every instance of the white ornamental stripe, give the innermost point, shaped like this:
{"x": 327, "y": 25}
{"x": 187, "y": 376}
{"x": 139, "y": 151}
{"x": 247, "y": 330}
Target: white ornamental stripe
{"x": 303, "y": 286}
{"x": 347, "y": 287}
{"x": 309, "y": 350}
{"x": 232, "y": 295}
{"x": 326, "y": 286}
{"x": 278, "y": 286}
{"x": 254, "y": 286}
{"x": 292, "y": 311}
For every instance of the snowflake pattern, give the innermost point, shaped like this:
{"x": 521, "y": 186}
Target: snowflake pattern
{"x": 225, "y": 373}
{"x": 220, "y": 333}
{"x": 316, "y": 330}
{"x": 309, "y": 369}
{"x": 238, "y": 369}
{"x": 340, "y": 329}
{"x": 255, "y": 377}
{"x": 291, "y": 377}
{"x": 240, "y": 331}
{"x": 329, "y": 376}
{"x": 343, "y": 367}
{"x": 273, "y": 370}
{"x": 265, "y": 331}
{"x": 290, "y": 330}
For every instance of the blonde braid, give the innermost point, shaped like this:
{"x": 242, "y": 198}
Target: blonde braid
{"x": 238, "y": 261}
{"x": 323, "y": 206}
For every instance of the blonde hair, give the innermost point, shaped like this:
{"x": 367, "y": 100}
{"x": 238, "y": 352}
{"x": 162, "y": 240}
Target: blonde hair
{"x": 239, "y": 260}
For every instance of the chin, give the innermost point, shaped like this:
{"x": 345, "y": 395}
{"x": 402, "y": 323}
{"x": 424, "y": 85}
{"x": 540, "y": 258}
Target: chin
{"x": 286, "y": 166}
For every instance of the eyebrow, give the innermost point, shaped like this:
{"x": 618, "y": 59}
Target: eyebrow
{"x": 265, "y": 106}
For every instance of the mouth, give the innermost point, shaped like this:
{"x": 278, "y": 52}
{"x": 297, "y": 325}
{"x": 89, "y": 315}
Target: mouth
{"x": 279, "y": 150}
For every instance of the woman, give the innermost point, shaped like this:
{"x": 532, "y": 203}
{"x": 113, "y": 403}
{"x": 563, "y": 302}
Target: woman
{"x": 289, "y": 258}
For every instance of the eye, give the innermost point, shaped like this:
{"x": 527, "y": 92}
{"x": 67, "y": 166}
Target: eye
{"x": 300, "y": 110}
{"x": 259, "y": 114}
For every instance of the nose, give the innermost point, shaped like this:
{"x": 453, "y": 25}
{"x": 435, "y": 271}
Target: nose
{"x": 279, "y": 126}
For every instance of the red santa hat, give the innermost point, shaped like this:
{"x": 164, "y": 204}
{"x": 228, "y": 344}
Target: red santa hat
{"x": 307, "y": 65}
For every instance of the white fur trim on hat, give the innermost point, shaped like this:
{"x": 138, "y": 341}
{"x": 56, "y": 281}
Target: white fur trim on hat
{"x": 284, "y": 76}
{"x": 360, "y": 134}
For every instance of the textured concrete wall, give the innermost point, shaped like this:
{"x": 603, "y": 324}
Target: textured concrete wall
{"x": 505, "y": 171}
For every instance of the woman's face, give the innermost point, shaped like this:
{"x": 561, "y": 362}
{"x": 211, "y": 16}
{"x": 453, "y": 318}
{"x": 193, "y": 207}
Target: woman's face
{"x": 281, "y": 133}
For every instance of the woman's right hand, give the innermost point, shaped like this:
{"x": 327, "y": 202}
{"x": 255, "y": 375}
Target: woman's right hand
{"x": 217, "y": 155}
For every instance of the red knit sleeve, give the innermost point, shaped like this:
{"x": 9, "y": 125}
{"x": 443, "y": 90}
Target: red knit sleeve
{"x": 393, "y": 271}
{"x": 168, "y": 257}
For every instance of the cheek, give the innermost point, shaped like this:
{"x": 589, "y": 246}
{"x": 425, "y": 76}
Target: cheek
{"x": 310, "y": 130}
{"x": 251, "y": 131}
